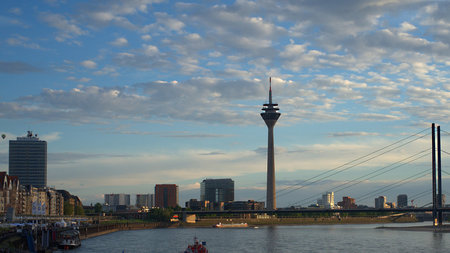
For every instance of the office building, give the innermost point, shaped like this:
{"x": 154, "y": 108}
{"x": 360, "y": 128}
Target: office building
{"x": 117, "y": 199}
{"x": 145, "y": 200}
{"x": 28, "y": 160}
{"x": 166, "y": 195}
{"x": 390, "y": 205}
{"x": 347, "y": 203}
{"x": 244, "y": 205}
{"x": 270, "y": 117}
{"x": 328, "y": 200}
{"x": 402, "y": 200}
{"x": 380, "y": 202}
{"x": 217, "y": 190}
{"x": 198, "y": 205}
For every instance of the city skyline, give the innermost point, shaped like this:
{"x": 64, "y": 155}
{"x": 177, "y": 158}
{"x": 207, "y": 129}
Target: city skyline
{"x": 136, "y": 93}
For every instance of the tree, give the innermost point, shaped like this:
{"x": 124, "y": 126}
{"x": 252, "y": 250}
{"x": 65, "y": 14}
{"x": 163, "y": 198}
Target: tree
{"x": 98, "y": 208}
{"x": 79, "y": 210}
{"x": 68, "y": 208}
{"x": 159, "y": 214}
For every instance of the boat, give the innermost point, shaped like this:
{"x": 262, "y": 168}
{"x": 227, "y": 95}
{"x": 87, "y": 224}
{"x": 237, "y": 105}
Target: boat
{"x": 230, "y": 225}
{"x": 69, "y": 239}
{"x": 196, "y": 247}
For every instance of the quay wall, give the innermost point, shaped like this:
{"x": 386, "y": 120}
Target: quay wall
{"x": 301, "y": 221}
{"x": 102, "y": 229}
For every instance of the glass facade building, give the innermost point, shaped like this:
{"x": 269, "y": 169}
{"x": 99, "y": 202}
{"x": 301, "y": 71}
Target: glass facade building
{"x": 217, "y": 190}
{"x": 28, "y": 160}
{"x": 120, "y": 199}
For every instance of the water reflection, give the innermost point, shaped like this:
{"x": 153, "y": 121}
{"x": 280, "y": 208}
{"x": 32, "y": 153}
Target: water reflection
{"x": 438, "y": 244}
{"x": 271, "y": 238}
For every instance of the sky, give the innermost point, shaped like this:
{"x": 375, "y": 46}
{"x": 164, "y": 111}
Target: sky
{"x": 129, "y": 94}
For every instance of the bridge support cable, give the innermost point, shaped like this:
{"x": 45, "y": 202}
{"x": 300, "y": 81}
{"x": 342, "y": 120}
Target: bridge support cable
{"x": 342, "y": 168}
{"x": 393, "y": 185}
{"x": 446, "y": 172}
{"x": 363, "y": 178}
{"x": 447, "y": 133}
{"x": 379, "y": 190}
{"x": 420, "y": 195}
{"x": 371, "y": 174}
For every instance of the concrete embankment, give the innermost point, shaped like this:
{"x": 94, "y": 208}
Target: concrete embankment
{"x": 442, "y": 229}
{"x": 102, "y": 229}
{"x": 302, "y": 221}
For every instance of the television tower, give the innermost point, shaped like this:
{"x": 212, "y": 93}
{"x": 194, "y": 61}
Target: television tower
{"x": 270, "y": 116}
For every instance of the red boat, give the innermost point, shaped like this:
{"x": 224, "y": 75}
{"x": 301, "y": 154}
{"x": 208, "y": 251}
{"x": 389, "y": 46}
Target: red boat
{"x": 196, "y": 247}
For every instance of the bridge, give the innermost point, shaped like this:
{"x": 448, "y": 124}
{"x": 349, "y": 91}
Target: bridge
{"x": 313, "y": 210}
{"x": 432, "y": 171}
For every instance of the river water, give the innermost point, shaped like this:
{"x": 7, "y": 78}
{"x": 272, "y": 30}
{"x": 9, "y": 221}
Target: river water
{"x": 314, "y": 238}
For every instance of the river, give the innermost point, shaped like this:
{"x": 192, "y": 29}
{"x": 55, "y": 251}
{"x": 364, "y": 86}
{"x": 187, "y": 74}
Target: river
{"x": 314, "y": 238}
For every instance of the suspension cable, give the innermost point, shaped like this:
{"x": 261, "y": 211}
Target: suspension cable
{"x": 394, "y": 185}
{"x": 354, "y": 165}
{"x": 357, "y": 159}
{"x": 363, "y": 177}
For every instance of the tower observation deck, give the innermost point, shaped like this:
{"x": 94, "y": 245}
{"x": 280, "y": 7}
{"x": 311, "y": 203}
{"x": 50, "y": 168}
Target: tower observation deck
{"x": 270, "y": 116}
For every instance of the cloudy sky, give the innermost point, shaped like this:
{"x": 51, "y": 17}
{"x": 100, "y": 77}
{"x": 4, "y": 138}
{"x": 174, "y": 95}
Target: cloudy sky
{"x": 129, "y": 94}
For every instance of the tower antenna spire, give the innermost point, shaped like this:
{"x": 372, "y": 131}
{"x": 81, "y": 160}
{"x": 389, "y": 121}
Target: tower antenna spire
{"x": 270, "y": 90}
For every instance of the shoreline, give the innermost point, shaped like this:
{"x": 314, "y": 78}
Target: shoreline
{"x": 94, "y": 231}
{"x": 442, "y": 229}
{"x": 103, "y": 229}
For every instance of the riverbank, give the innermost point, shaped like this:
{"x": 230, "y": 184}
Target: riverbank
{"x": 103, "y": 229}
{"x": 303, "y": 221}
{"x": 441, "y": 229}
{"x": 99, "y": 230}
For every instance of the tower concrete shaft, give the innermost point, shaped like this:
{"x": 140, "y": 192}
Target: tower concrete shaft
{"x": 270, "y": 116}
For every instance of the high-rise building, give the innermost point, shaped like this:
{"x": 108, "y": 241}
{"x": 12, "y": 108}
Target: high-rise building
{"x": 166, "y": 195}
{"x": 402, "y": 200}
{"x": 145, "y": 200}
{"x": 217, "y": 190}
{"x": 347, "y": 203}
{"x": 120, "y": 199}
{"x": 270, "y": 117}
{"x": 328, "y": 200}
{"x": 380, "y": 202}
{"x": 28, "y": 160}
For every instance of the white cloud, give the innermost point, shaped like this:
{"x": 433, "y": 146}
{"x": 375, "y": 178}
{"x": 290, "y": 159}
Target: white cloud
{"x": 51, "y": 137}
{"x": 120, "y": 42}
{"x": 82, "y": 79}
{"x": 377, "y": 117}
{"x": 67, "y": 28}
{"x": 218, "y": 54}
{"x": 106, "y": 71}
{"x": 89, "y": 64}
{"x": 118, "y": 13}
{"x": 150, "y": 50}
{"x": 146, "y": 37}
{"x": 16, "y": 11}
{"x": 18, "y": 40}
